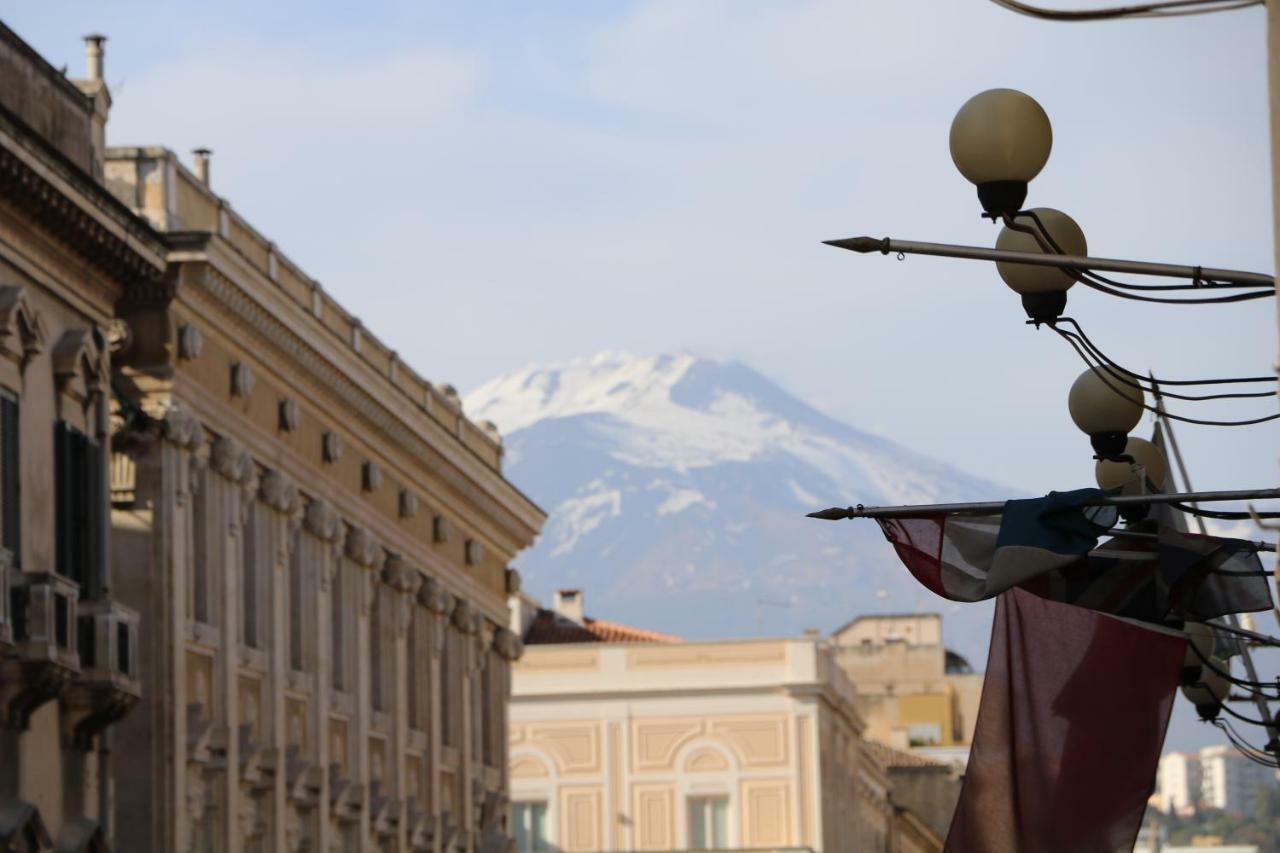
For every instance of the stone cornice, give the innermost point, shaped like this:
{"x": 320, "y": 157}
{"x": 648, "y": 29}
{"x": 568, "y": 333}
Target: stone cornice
{"x": 437, "y": 450}
{"x": 80, "y": 213}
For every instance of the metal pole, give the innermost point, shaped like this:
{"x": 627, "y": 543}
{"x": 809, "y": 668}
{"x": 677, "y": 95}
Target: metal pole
{"x": 986, "y": 507}
{"x": 1273, "y": 85}
{"x": 948, "y": 250}
{"x": 1246, "y": 655}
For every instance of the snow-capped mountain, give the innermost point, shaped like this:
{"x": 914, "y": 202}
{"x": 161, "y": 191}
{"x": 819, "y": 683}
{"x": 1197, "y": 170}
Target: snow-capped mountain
{"x": 677, "y": 488}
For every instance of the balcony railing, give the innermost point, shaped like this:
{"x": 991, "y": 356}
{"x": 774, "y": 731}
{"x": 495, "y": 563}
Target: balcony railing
{"x": 107, "y": 686}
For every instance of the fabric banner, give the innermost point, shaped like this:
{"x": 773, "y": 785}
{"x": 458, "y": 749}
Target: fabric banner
{"x": 1050, "y": 546}
{"x": 1074, "y": 709}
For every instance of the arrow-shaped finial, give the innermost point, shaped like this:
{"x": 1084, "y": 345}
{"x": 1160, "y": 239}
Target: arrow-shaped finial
{"x": 835, "y": 513}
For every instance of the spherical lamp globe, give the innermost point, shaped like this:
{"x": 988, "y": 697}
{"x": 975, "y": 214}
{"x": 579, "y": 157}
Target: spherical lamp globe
{"x": 1211, "y": 691}
{"x": 1043, "y": 289}
{"x": 1115, "y": 473}
{"x": 1105, "y": 406}
{"x": 1000, "y": 140}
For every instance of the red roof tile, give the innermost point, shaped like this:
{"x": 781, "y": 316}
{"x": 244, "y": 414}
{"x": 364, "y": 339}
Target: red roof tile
{"x": 548, "y": 628}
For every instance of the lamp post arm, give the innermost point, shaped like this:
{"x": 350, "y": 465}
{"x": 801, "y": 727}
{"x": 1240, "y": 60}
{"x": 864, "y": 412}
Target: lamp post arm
{"x": 888, "y": 245}
{"x": 986, "y": 507}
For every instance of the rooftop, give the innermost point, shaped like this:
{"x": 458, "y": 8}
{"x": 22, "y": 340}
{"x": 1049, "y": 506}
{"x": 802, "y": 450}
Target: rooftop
{"x": 549, "y": 627}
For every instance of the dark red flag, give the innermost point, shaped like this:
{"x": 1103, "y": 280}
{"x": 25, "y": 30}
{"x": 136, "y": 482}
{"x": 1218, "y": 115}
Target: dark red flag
{"x": 1073, "y": 716}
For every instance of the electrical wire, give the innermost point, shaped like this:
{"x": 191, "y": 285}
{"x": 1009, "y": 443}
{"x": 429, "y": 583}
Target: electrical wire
{"x": 1206, "y": 662}
{"x": 1248, "y": 750}
{"x": 1224, "y": 515}
{"x": 1102, "y": 373}
{"x": 1166, "y": 9}
{"x": 1091, "y": 280}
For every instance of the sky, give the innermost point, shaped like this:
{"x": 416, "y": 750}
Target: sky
{"x": 489, "y": 185}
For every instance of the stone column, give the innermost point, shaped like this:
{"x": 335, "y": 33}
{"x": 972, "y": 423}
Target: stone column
{"x": 281, "y": 496}
{"x": 465, "y": 620}
{"x": 227, "y": 496}
{"x": 406, "y": 582}
{"x": 439, "y": 604}
{"x": 321, "y": 550}
{"x": 364, "y": 552}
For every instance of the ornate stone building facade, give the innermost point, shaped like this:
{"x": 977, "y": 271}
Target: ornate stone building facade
{"x": 234, "y": 501}
{"x": 68, "y": 648}
{"x": 626, "y": 740}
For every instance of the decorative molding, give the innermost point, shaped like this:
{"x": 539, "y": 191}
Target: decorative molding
{"x": 331, "y": 446}
{"x": 490, "y": 429}
{"x": 182, "y": 428}
{"x": 190, "y": 342}
{"x": 435, "y": 597}
{"x": 463, "y": 616}
{"x": 242, "y": 380}
{"x": 473, "y": 552}
{"x": 370, "y": 476}
{"x": 507, "y": 644}
{"x": 408, "y": 503}
{"x": 322, "y": 521}
{"x": 103, "y": 232}
{"x": 20, "y": 324}
{"x": 361, "y": 548}
{"x": 76, "y": 354}
{"x": 441, "y": 529}
{"x": 400, "y": 576}
{"x": 480, "y": 487}
{"x": 513, "y": 580}
{"x": 229, "y": 459}
{"x": 279, "y": 492}
{"x": 290, "y": 414}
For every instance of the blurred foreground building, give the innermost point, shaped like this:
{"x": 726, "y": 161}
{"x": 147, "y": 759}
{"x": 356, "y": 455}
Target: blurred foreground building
{"x": 232, "y": 500}
{"x": 624, "y": 739}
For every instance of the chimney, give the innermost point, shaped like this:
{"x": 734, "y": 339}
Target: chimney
{"x": 569, "y": 604}
{"x": 202, "y": 156}
{"x": 93, "y": 56}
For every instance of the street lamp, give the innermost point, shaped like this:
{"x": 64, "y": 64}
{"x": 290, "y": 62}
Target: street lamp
{"x": 1000, "y": 140}
{"x": 1211, "y": 690}
{"x": 1148, "y": 463}
{"x": 1043, "y": 289}
{"x": 1106, "y": 410}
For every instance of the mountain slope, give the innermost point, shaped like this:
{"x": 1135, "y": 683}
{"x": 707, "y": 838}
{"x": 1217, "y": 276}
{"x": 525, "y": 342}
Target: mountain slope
{"x": 677, "y": 488}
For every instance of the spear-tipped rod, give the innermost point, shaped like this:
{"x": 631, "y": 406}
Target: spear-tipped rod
{"x": 887, "y": 245}
{"x": 986, "y": 507}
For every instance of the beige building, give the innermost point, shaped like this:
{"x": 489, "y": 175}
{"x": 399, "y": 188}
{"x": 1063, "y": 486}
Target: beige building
{"x": 913, "y": 692}
{"x": 626, "y": 740}
{"x": 297, "y": 555}
{"x": 69, "y": 649}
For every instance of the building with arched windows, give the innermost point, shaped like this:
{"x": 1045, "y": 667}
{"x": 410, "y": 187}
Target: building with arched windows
{"x": 624, "y": 739}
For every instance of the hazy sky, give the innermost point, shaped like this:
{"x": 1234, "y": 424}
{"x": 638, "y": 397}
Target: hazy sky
{"x": 492, "y": 184}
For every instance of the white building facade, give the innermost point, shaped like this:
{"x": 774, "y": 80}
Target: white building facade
{"x": 1216, "y": 777}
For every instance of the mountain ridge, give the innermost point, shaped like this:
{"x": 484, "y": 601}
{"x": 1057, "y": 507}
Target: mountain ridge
{"x": 677, "y": 487}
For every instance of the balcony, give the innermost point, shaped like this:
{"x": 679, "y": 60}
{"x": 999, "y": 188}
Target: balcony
{"x": 43, "y": 660}
{"x": 107, "y": 687}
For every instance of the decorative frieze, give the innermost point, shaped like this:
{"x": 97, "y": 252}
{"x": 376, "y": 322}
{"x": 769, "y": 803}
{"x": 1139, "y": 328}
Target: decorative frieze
{"x": 507, "y": 644}
{"x": 190, "y": 342}
{"x": 289, "y": 415}
{"x": 441, "y": 529}
{"x": 408, "y": 503}
{"x": 463, "y": 616}
{"x": 322, "y": 521}
{"x": 278, "y": 492}
{"x": 361, "y": 548}
{"x": 76, "y": 355}
{"x": 228, "y": 458}
{"x": 242, "y": 380}
{"x": 182, "y": 428}
{"x": 370, "y": 476}
{"x": 331, "y": 447}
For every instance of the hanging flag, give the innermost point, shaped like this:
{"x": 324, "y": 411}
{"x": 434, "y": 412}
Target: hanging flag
{"x": 1050, "y": 546}
{"x": 1073, "y": 715}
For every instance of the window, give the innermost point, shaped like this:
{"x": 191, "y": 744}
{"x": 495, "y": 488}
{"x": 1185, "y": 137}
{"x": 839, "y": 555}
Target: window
{"x": 450, "y": 688}
{"x": 79, "y": 474}
{"x": 530, "y": 824}
{"x": 419, "y": 664}
{"x": 339, "y": 593}
{"x": 708, "y": 823}
{"x": 10, "y": 478}
{"x": 249, "y": 592}
{"x": 377, "y": 683}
